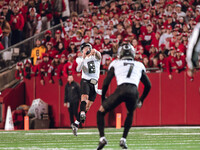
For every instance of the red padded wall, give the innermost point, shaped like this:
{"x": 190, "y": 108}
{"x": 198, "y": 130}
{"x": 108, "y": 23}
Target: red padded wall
{"x": 149, "y": 114}
{"x": 29, "y": 90}
{"x": 170, "y": 102}
{"x": 193, "y": 100}
{"x": 172, "y": 99}
{"x": 12, "y": 97}
{"x": 49, "y": 93}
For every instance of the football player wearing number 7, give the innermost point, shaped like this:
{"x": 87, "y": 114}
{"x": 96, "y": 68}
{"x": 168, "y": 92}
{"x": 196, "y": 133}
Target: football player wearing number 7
{"x": 89, "y": 63}
{"x": 128, "y": 74}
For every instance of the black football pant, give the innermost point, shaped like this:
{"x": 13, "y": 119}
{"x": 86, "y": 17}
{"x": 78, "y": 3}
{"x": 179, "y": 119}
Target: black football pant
{"x": 127, "y": 93}
{"x": 73, "y": 111}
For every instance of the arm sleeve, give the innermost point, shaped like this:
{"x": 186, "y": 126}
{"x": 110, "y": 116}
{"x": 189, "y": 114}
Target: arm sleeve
{"x": 80, "y": 65}
{"x": 147, "y": 86}
{"x": 192, "y": 42}
{"x": 106, "y": 82}
{"x": 66, "y": 94}
{"x": 98, "y": 55}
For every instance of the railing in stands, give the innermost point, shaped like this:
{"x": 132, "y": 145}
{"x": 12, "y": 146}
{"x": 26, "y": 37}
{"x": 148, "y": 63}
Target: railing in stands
{"x": 20, "y": 51}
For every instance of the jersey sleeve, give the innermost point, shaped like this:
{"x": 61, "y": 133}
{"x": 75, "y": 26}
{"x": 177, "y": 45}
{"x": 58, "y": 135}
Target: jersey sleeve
{"x": 112, "y": 64}
{"x": 142, "y": 66}
{"x": 79, "y": 62}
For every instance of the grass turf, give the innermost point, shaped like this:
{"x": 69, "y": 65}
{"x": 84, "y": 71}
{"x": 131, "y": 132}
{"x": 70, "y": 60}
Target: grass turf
{"x": 87, "y": 139}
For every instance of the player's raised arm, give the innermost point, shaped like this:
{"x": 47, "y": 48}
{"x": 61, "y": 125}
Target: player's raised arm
{"x": 193, "y": 50}
{"x": 80, "y": 62}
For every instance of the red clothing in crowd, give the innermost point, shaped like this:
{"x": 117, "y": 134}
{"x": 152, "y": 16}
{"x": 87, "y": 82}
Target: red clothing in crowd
{"x": 1, "y": 46}
{"x": 52, "y": 71}
{"x": 52, "y": 53}
{"x": 180, "y": 62}
{"x": 69, "y": 68}
{"x": 77, "y": 41}
{"x": 98, "y": 47}
{"x": 55, "y": 41}
{"x": 148, "y": 37}
{"x": 106, "y": 49}
{"x": 45, "y": 10}
{"x": 171, "y": 65}
{"x": 19, "y": 74}
{"x": 18, "y": 119}
{"x": 163, "y": 64}
{"x": 60, "y": 70}
{"x": 155, "y": 42}
{"x": 17, "y": 22}
{"x": 43, "y": 68}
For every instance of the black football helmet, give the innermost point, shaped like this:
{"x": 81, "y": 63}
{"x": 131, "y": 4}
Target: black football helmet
{"x": 86, "y": 45}
{"x": 126, "y": 51}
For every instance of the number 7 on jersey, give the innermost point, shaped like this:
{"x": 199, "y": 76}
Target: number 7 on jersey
{"x": 130, "y": 69}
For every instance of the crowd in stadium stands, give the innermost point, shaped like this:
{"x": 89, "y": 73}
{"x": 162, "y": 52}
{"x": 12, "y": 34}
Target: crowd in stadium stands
{"x": 20, "y": 19}
{"x": 158, "y": 30}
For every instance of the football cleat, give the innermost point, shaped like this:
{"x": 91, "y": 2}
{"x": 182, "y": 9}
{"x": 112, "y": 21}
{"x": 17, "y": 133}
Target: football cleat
{"x": 123, "y": 144}
{"x": 102, "y": 144}
{"x": 74, "y": 128}
{"x": 82, "y": 117}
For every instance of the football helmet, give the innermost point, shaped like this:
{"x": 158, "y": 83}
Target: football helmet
{"x": 86, "y": 45}
{"x": 126, "y": 51}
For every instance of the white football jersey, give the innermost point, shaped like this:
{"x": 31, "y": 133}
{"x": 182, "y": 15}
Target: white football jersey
{"x": 90, "y": 68}
{"x": 127, "y": 71}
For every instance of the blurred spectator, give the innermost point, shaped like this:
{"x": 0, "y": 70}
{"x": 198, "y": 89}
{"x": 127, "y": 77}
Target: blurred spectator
{"x": 72, "y": 97}
{"x": 38, "y": 51}
{"x": 44, "y": 67}
{"x": 165, "y": 37}
{"x": 7, "y": 12}
{"x": 18, "y": 116}
{"x": 148, "y": 37}
{"x": 171, "y": 65}
{"x": 17, "y": 25}
{"x": 51, "y": 51}
{"x": 153, "y": 52}
{"x": 19, "y": 73}
{"x": 27, "y": 68}
{"x": 70, "y": 67}
{"x": 178, "y": 10}
{"x": 34, "y": 23}
{"x": 59, "y": 6}
{"x": 45, "y": 11}
{"x": 35, "y": 68}
{"x": 162, "y": 61}
{"x": 57, "y": 38}
{"x": 107, "y": 63}
{"x": 78, "y": 38}
{"x": 6, "y": 29}
{"x": 60, "y": 69}
{"x": 180, "y": 61}
{"x": 115, "y": 46}
{"x": 53, "y": 68}
{"x": 146, "y": 62}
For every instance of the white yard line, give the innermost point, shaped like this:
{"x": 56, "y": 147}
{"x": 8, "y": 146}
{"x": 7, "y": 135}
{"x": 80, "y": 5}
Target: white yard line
{"x": 111, "y": 133}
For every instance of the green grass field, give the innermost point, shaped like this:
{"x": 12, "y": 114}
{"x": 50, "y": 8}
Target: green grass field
{"x": 87, "y": 139}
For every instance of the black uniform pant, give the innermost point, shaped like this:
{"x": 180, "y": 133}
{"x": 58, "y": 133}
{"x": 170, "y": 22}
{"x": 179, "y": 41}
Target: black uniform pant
{"x": 73, "y": 111}
{"x": 127, "y": 93}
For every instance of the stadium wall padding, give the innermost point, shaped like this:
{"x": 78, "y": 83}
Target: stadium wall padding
{"x": 12, "y": 97}
{"x": 170, "y": 102}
